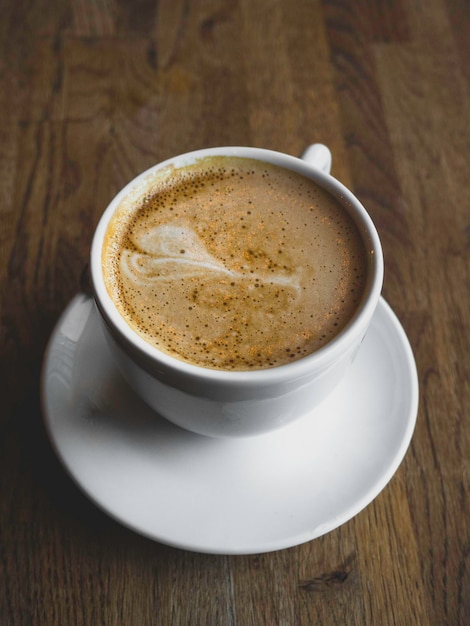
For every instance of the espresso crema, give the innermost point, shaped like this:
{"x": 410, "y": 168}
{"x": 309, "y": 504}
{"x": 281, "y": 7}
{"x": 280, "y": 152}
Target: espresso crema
{"x": 234, "y": 264}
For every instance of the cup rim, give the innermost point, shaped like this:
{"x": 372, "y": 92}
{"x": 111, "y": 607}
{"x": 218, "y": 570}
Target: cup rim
{"x": 298, "y": 368}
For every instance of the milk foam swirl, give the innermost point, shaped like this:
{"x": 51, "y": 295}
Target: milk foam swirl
{"x": 171, "y": 252}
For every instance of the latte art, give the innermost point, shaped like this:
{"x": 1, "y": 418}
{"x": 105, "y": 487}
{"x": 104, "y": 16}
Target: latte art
{"x": 172, "y": 252}
{"x": 234, "y": 264}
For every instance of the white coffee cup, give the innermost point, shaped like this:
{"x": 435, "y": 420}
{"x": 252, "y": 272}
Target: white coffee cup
{"x": 239, "y": 403}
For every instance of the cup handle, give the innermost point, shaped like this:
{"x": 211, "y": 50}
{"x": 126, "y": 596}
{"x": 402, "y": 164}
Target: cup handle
{"x": 317, "y": 155}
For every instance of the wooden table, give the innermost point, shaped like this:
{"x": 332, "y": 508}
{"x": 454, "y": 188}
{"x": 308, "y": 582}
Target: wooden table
{"x": 93, "y": 93}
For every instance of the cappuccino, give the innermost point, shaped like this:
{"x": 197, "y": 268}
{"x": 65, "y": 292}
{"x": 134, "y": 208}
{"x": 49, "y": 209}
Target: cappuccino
{"x": 234, "y": 264}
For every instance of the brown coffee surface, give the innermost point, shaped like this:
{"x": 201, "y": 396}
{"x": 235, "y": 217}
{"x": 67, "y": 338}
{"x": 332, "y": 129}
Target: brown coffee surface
{"x": 234, "y": 264}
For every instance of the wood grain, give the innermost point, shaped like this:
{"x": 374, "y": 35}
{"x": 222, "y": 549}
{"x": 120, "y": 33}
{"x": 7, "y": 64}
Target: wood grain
{"x": 94, "y": 92}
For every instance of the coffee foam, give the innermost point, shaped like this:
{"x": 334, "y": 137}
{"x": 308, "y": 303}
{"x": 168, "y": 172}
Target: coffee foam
{"x": 234, "y": 264}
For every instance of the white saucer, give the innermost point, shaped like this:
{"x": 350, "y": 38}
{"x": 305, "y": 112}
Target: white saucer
{"x": 237, "y": 496}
